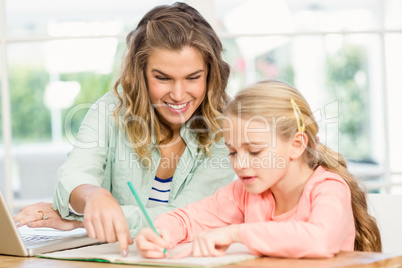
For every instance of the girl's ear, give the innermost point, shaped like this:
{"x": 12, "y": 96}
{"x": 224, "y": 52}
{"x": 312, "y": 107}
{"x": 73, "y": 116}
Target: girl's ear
{"x": 298, "y": 145}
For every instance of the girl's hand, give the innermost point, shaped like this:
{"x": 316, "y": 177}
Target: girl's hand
{"x": 33, "y": 217}
{"x": 151, "y": 245}
{"x": 104, "y": 220}
{"x": 212, "y": 242}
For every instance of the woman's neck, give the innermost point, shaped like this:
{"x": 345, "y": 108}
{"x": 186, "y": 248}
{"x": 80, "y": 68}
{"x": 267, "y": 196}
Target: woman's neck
{"x": 164, "y": 137}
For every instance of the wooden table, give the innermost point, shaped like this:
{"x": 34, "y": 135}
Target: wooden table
{"x": 343, "y": 259}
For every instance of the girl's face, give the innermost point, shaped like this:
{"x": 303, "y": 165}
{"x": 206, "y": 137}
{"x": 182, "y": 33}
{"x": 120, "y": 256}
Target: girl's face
{"x": 259, "y": 158}
{"x": 177, "y": 82}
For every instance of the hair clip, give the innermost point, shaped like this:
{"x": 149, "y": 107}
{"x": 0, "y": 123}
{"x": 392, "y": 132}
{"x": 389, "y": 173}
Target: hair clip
{"x": 299, "y": 116}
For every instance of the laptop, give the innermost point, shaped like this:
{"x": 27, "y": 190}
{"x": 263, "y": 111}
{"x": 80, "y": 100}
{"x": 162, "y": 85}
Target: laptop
{"x": 30, "y": 241}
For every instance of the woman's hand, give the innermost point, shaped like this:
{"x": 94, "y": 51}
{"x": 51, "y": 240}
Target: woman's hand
{"x": 103, "y": 217}
{"x": 212, "y": 242}
{"x": 33, "y": 216}
{"x": 151, "y": 245}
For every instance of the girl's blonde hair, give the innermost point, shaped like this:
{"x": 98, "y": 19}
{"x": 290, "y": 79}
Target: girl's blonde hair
{"x": 272, "y": 99}
{"x": 170, "y": 27}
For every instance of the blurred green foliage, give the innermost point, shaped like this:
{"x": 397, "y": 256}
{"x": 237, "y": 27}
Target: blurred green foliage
{"x": 93, "y": 86}
{"x": 30, "y": 119}
{"x": 347, "y": 82}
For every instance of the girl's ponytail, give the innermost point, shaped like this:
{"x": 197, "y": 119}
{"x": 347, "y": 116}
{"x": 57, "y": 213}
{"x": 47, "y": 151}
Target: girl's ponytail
{"x": 368, "y": 236}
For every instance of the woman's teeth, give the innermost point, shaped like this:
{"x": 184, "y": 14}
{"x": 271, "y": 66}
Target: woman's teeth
{"x": 177, "y": 107}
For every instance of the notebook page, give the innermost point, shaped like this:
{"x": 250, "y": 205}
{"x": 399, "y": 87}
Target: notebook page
{"x": 235, "y": 253}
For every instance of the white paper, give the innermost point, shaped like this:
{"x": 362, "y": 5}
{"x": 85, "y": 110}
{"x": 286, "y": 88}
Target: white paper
{"x": 235, "y": 253}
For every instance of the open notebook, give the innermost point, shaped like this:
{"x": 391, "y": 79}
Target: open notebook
{"x": 110, "y": 253}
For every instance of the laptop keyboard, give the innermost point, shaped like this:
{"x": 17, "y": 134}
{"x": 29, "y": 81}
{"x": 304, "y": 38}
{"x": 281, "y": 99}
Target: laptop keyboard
{"x": 35, "y": 239}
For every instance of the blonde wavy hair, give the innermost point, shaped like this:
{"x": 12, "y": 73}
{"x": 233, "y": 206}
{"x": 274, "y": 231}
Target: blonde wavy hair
{"x": 170, "y": 27}
{"x": 272, "y": 98}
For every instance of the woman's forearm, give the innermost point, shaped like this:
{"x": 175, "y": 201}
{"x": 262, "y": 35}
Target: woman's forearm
{"x": 84, "y": 193}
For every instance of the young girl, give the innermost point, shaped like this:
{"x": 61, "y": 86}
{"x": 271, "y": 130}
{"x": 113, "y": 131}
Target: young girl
{"x": 294, "y": 197}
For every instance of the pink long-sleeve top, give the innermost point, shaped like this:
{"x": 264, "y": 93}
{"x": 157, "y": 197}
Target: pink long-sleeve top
{"x": 321, "y": 225}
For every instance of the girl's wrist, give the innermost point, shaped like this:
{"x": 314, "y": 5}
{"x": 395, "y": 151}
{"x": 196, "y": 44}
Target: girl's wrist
{"x": 235, "y": 233}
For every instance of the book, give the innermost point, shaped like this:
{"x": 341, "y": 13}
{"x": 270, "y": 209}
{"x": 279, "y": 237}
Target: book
{"x": 111, "y": 253}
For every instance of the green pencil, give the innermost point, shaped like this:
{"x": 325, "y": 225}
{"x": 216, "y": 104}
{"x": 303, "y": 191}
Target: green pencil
{"x": 143, "y": 208}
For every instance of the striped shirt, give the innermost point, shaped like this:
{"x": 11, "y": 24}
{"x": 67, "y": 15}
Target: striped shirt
{"x": 160, "y": 192}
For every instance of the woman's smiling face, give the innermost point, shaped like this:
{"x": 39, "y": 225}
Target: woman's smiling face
{"x": 177, "y": 81}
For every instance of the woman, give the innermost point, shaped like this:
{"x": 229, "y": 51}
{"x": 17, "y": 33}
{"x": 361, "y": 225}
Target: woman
{"x": 159, "y": 130}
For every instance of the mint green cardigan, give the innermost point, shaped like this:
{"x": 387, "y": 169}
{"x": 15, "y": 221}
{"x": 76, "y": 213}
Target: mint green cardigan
{"x": 103, "y": 156}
